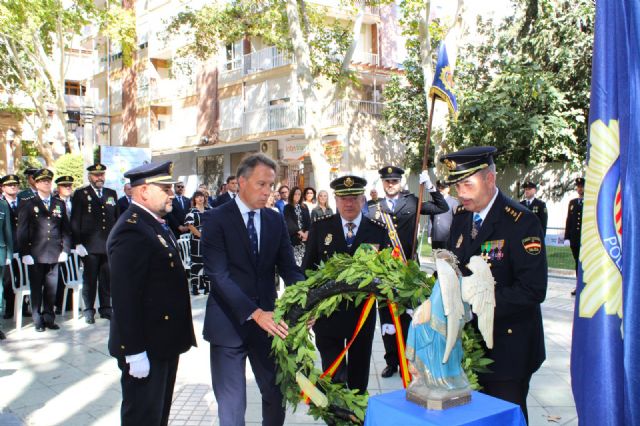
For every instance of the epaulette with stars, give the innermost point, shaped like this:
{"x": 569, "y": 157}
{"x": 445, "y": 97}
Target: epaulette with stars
{"x": 133, "y": 219}
{"x": 515, "y": 214}
{"x": 325, "y": 217}
{"x": 459, "y": 209}
{"x": 377, "y": 222}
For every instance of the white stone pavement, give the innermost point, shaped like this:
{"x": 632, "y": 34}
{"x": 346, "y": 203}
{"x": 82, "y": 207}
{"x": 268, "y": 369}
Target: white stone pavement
{"x": 67, "y": 377}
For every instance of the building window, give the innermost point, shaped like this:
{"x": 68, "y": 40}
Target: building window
{"x": 74, "y": 88}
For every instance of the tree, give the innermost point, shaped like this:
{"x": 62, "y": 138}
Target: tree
{"x": 322, "y": 50}
{"x": 525, "y": 89}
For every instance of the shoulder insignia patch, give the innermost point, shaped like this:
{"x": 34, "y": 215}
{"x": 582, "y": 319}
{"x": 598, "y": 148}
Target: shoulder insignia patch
{"x": 133, "y": 219}
{"x": 377, "y": 222}
{"x": 515, "y": 214}
{"x": 325, "y": 217}
{"x": 532, "y": 245}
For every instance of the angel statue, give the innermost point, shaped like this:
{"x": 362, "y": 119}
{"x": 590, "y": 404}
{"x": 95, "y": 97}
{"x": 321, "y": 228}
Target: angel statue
{"x": 434, "y": 346}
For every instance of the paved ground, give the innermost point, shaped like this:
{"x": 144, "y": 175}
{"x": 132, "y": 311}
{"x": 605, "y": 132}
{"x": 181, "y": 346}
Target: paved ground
{"x": 66, "y": 377}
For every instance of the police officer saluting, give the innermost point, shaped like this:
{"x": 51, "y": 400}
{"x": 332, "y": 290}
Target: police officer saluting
{"x": 44, "y": 241}
{"x": 151, "y": 323}
{"x": 509, "y": 237}
{"x": 401, "y": 208}
{"x": 343, "y": 233}
{"x": 94, "y": 214}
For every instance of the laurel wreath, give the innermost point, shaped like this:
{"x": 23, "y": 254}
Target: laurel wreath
{"x": 346, "y": 278}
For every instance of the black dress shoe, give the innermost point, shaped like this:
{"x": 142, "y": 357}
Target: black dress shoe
{"x": 2, "y": 336}
{"x": 39, "y": 328}
{"x": 389, "y": 371}
{"x": 52, "y": 326}
{"x": 106, "y": 315}
{"x": 573, "y": 292}
{"x": 89, "y": 319}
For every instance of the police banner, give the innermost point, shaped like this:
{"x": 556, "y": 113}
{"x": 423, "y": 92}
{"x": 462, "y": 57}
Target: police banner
{"x": 605, "y": 351}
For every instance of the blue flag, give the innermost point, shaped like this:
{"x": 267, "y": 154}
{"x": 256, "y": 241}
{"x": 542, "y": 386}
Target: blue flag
{"x": 605, "y": 355}
{"x": 442, "y": 86}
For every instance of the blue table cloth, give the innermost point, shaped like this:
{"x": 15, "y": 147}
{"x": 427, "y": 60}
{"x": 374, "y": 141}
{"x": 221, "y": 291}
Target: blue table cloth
{"x": 392, "y": 408}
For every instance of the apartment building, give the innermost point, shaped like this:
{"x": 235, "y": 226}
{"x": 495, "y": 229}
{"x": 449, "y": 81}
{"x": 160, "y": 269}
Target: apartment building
{"x": 206, "y": 116}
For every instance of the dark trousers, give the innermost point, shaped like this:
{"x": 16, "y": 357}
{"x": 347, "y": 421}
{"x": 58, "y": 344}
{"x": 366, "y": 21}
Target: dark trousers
{"x": 43, "y": 279}
{"x": 389, "y": 340}
{"x": 575, "y": 251}
{"x": 229, "y": 382}
{"x": 96, "y": 269}
{"x": 7, "y": 292}
{"x": 438, "y": 244}
{"x": 332, "y": 335}
{"x": 514, "y": 391}
{"x": 147, "y": 401}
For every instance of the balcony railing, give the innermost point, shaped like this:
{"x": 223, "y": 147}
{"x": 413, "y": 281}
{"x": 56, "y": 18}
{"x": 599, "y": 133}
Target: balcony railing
{"x": 277, "y": 117}
{"x": 261, "y": 60}
{"x": 365, "y": 58}
{"x": 343, "y": 111}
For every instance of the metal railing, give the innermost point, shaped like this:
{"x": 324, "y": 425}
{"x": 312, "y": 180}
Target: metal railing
{"x": 251, "y": 63}
{"x": 276, "y": 117}
{"x": 365, "y": 58}
{"x": 343, "y": 110}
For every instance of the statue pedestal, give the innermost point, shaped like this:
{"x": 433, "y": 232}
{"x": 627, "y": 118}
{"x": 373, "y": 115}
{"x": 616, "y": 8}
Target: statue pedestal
{"x": 393, "y": 408}
{"x": 440, "y": 404}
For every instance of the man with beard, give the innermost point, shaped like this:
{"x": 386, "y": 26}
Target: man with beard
{"x": 151, "y": 323}
{"x": 94, "y": 212}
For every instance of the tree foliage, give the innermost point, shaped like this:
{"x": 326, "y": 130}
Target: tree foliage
{"x": 525, "y": 89}
{"x": 71, "y": 165}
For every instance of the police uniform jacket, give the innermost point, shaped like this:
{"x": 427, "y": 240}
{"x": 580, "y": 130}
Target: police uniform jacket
{"x": 326, "y": 237}
{"x": 149, "y": 291}
{"x": 404, "y": 215}
{"x": 573, "y": 226}
{"x": 6, "y": 234}
{"x": 43, "y": 233}
{"x": 511, "y": 240}
{"x": 13, "y": 214}
{"x": 539, "y": 208}
{"x": 25, "y": 195}
{"x": 93, "y": 218}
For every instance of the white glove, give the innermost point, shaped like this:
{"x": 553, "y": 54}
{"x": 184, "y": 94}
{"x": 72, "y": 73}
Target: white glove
{"x": 424, "y": 178}
{"x": 27, "y": 260}
{"x": 389, "y": 329}
{"x": 567, "y": 243}
{"x": 7, "y": 262}
{"x": 82, "y": 252}
{"x": 63, "y": 257}
{"x": 138, "y": 365}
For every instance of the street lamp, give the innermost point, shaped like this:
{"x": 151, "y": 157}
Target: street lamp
{"x": 103, "y": 128}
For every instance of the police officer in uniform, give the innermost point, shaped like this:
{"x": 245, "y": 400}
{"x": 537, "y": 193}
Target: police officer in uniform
{"x": 343, "y": 232}
{"x": 402, "y": 207}
{"x": 94, "y": 214}
{"x": 10, "y": 185}
{"x": 44, "y": 241}
{"x": 536, "y": 205}
{"x": 6, "y": 241}
{"x": 29, "y": 193}
{"x": 151, "y": 323}
{"x": 65, "y": 190}
{"x": 573, "y": 226}
{"x": 509, "y": 237}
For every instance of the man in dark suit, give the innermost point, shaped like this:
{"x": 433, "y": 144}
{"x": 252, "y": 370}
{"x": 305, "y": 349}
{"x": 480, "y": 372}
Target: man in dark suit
{"x": 94, "y": 214}
{"x": 151, "y": 323}
{"x": 343, "y": 233}
{"x": 232, "y": 192}
{"x": 509, "y": 237}
{"x": 573, "y": 226}
{"x": 181, "y": 206}
{"x": 536, "y": 205}
{"x": 242, "y": 244}
{"x": 44, "y": 241}
{"x": 125, "y": 200}
{"x": 10, "y": 185}
{"x": 402, "y": 208}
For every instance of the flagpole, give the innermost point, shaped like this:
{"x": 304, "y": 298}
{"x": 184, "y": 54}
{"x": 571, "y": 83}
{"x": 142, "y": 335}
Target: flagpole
{"x": 425, "y": 163}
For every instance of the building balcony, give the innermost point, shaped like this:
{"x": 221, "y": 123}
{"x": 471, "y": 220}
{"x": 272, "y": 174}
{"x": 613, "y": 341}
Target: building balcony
{"x": 254, "y": 62}
{"x": 365, "y": 58}
{"x": 342, "y": 112}
{"x": 273, "y": 118}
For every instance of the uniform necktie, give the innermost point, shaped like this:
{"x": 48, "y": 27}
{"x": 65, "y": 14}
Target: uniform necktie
{"x": 477, "y": 223}
{"x": 100, "y": 193}
{"x": 181, "y": 201}
{"x": 46, "y": 203}
{"x": 233, "y": 197}
{"x": 393, "y": 205}
{"x": 14, "y": 204}
{"x": 350, "y": 235}
{"x": 253, "y": 235}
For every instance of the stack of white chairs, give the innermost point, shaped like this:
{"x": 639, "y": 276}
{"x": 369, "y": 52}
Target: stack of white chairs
{"x": 72, "y": 273}
{"x": 21, "y": 287}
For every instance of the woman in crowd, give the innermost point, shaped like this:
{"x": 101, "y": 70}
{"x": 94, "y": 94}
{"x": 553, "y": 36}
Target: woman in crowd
{"x": 271, "y": 201}
{"x": 193, "y": 220}
{"x": 309, "y": 198}
{"x": 322, "y": 209}
{"x": 298, "y": 219}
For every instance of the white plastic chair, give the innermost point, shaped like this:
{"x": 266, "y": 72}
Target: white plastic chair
{"x": 72, "y": 278}
{"x": 185, "y": 252}
{"x": 21, "y": 287}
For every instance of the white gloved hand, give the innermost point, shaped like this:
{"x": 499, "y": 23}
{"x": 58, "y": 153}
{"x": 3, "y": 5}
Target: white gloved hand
{"x": 28, "y": 260}
{"x": 424, "y": 178}
{"x": 82, "y": 252}
{"x": 138, "y": 365}
{"x": 63, "y": 257}
{"x": 389, "y": 329}
{"x": 7, "y": 262}
{"x": 567, "y": 243}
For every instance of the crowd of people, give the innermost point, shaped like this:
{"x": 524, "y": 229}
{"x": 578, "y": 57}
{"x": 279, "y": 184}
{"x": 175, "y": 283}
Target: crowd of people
{"x": 240, "y": 240}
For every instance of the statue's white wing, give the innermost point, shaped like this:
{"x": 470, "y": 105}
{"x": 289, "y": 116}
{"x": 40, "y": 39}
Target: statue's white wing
{"x": 452, "y": 301}
{"x": 478, "y": 290}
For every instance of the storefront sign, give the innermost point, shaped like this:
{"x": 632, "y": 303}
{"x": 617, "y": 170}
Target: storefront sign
{"x": 293, "y": 150}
